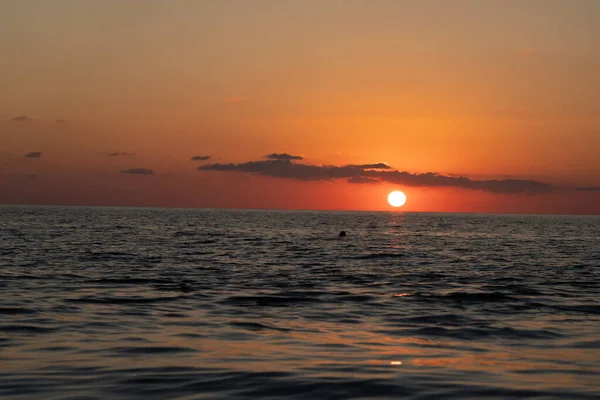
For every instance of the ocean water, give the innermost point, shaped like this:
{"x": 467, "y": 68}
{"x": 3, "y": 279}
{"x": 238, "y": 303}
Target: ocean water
{"x": 117, "y": 303}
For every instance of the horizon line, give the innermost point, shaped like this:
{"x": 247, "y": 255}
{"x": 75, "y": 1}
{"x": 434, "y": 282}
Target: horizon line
{"x": 295, "y": 210}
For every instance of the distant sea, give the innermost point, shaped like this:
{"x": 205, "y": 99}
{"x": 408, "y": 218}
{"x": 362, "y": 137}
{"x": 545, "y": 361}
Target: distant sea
{"x": 125, "y": 303}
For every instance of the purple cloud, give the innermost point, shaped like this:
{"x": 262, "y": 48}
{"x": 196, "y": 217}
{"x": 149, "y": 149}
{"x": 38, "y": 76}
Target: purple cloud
{"x": 138, "y": 171}
{"x": 21, "y": 118}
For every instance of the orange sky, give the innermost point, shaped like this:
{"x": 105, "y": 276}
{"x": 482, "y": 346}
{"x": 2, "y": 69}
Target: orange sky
{"x": 484, "y": 90}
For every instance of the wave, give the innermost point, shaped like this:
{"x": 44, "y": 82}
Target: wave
{"x": 467, "y": 297}
{"x": 123, "y": 300}
{"x": 255, "y": 326}
{"x": 375, "y": 256}
{"x": 152, "y": 350}
{"x": 16, "y": 311}
{"x": 27, "y": 329}
{"x": 269, "y": 301}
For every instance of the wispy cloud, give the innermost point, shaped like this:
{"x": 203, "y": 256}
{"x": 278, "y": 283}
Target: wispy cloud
{"x": 372, "y": 166}
{"x": 138, "y": 171}
{"x": 61, "y": 121}
{"x": 21, "y": 118}
{"x": 200, "y": 158}
{"x": 286, "y": 169}
{"x": 33, "y": 154}
{"x": 529, "y": 53}
{"x": 283, "y": 156}
{"x": 362, "y": 179}
{"x": 236, "y": 99}
{"x": 122, "y": 154}
{"x": 588, "y": 189}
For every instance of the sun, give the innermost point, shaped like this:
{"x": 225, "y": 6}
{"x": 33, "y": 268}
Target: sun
{"x": 396, "y": 198}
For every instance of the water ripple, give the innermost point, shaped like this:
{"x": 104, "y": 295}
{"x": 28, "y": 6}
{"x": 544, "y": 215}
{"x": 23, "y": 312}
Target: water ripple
{"x": 158, "y": 304}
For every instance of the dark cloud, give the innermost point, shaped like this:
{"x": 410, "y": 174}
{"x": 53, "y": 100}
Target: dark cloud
{"x": 431, "y": 179}
{"x": 372, "y": 166}
{"x": 362, "y": 179}
{"x": 21, "y": 118}
{"x": 138, "y": 171}
{"x": 61, "y": 121}
{"x": 287, "y": 169}
{"x": 117, "y": 154}
{"x": 589, "y": 189}
{"x": 359, "y": 174}
{"x": 283, "y": 156}
{"x": 34, "y": 154}
{"x": 200, "y": 158}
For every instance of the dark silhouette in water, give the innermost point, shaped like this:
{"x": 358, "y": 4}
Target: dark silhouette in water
{"x": 342, "y": 234}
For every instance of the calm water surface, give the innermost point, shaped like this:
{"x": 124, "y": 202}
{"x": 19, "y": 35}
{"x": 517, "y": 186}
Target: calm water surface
{"x": 100, "y": 303}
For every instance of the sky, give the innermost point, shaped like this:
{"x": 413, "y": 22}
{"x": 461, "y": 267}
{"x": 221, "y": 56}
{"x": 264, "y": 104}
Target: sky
{"x": 464, "y": 105}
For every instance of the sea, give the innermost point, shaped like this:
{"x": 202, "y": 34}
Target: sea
{"x": 141, "y": 303}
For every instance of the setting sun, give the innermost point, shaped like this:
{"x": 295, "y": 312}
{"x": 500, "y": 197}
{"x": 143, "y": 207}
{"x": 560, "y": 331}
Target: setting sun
{"x": 241, "y": 153}
{"x": 396, "y": 198}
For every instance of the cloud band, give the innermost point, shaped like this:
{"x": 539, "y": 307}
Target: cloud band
{"x": 374, "y": 173}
